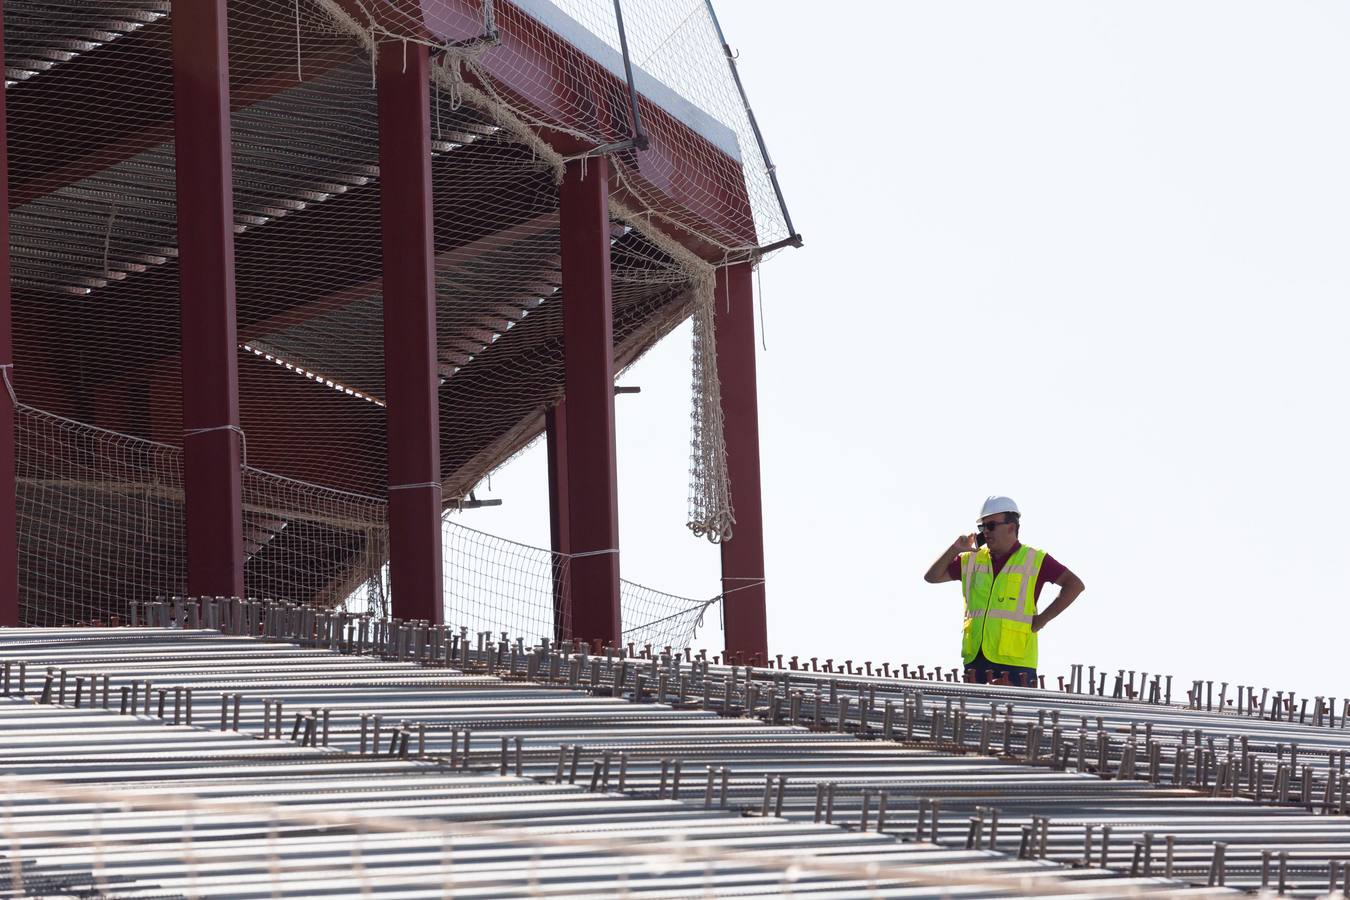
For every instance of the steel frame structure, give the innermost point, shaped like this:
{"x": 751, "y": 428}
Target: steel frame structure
{"x": 213, "y": 405}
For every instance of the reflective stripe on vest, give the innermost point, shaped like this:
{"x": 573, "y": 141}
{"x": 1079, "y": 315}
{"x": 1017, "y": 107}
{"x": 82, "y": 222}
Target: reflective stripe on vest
{"x": 1009, "y": 614}
{"x": 1000, "y": 609}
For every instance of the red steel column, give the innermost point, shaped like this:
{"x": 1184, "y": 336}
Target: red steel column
{"x": 410, "y": 370}
{"x": 9, "y": 536}
{"x": 743, "y": 555}
{"x": 560, "y": 536}
{"x": 588, "y": 337}
{"x": 211, "y": 436}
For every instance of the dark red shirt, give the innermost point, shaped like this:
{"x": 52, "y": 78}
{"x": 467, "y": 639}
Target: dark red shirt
{"x": 1051, "y": 570}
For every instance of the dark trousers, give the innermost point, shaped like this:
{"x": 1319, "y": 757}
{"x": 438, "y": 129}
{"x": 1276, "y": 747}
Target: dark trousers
{"x": 982, "y": 671}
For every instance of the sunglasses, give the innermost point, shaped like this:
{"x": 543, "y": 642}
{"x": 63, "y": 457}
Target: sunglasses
{"x": 988, "y": 526}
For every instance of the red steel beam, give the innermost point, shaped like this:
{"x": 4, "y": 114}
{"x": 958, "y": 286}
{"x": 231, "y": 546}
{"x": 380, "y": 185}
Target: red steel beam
{"x": 211, "y": 435}
{"x": 743, "y": 609}
{"x": 411, "y": 378}
{"x": 9, "y": 536}
{"x": 588, "y": 344}
{"x": 560, "y": 537}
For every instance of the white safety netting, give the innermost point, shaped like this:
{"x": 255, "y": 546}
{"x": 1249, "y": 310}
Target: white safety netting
{"x": 494, "y": 584}
{"x": 101, "y": 526}
{"x": 689, "y": 100}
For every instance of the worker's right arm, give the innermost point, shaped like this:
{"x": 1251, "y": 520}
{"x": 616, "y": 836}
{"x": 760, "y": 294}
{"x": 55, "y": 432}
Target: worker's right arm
{"x": 937, "y": 572}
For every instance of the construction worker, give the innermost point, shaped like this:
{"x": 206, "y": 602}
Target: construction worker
{"x": 1001, "y": 579}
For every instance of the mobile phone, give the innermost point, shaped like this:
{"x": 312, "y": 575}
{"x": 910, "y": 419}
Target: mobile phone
{"x": 979, "y": 539}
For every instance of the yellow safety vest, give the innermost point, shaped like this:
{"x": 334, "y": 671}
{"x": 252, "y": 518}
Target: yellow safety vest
{"x": 999, "y": 611}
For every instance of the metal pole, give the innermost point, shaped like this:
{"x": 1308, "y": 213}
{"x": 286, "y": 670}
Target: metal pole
{"x": 639, "y": 136}
{"x": 794, "y": 239}
{"x": 588, "y": 341}
{"x": 411, "y": 374}
{"x": 9, "y": 543}
{"x": 560, "y": 537}
{"x": 743, "y": 605}
{"x": 212, "y": 454}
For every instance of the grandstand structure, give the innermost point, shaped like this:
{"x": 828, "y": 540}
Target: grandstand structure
{"x": 288, "y": 278}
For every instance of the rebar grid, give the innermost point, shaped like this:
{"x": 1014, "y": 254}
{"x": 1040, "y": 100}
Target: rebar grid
{"x": 97, "y": 801}
{"x": 671, "y": 727}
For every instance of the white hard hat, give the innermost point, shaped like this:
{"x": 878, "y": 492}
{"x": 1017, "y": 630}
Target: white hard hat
{"x": 995, "y": 505}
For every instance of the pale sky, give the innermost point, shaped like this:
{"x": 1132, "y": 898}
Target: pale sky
{"x": 1090, "y": 255}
